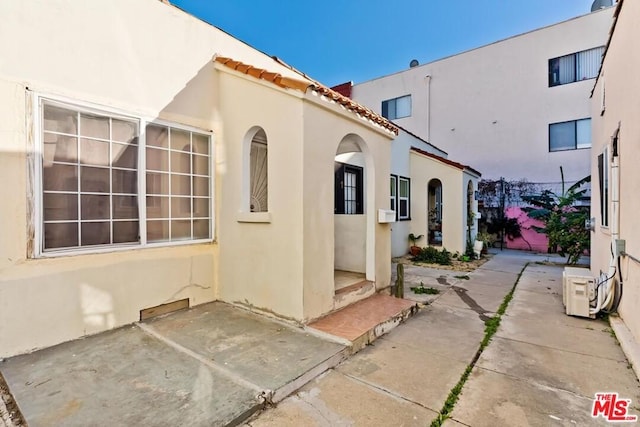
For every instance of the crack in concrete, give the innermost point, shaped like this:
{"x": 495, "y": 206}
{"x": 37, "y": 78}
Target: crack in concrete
{"x": 471, "y": 303}
{"x": 384, "y": 390}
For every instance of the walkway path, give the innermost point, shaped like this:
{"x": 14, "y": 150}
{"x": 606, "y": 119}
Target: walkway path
{"x": 542, "y": 367}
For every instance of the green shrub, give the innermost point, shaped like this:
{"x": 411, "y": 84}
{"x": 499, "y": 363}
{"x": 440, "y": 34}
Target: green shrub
{"x": 434, "y": 256}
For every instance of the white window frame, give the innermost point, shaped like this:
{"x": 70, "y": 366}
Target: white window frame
{"x": 394, "y": 195}
{"x": 395, "y": 107}
{"x": 407, "y": 198}
{"x": 575, "y": 142}
{"x": 143, "y": 120}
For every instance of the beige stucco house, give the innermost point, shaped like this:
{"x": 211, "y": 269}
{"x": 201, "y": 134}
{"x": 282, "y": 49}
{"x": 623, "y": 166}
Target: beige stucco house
{"x": 614, "y": 169}
{"x": 148, "y": 157}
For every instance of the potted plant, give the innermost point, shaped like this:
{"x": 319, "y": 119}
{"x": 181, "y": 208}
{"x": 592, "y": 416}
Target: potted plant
{"x": 487, "y": 239}
{"x": 415, "y": 249}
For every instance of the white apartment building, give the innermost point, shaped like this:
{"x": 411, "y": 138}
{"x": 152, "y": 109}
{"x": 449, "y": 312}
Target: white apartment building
{"x": 517, "y": 108}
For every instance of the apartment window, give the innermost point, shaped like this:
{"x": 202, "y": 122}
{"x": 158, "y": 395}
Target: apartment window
{"x": 348, "y": 189}
{"x": 575, "y": 67}
{"x": 571, "y": 135}
{"x": 404, "y": 189}
{"x": 397, "y": 108}
{"x": 603, "y": 180}
{"x": 91, "y": 187}
{"x": 394, "y": 193}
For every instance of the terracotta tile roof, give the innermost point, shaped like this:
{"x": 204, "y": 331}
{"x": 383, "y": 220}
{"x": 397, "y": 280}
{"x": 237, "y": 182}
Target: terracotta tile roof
{"x": 447, "y": 161}
{"x": 304, "y": 86}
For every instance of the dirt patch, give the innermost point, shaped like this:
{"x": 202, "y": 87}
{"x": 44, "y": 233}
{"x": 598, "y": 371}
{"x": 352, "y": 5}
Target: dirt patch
{"x": 9, "y": 412}
{"x": 456, "y": 264}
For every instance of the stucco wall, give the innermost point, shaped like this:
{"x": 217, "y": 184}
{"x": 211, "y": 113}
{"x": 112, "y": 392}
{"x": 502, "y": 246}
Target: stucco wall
{"x": 261, "y": 258}
{"x": 491, "y": 107}
{"x": 622, "y": 85}
{"x": 423, "y": 170}
{"x": 322, "y": 135}
{"x": 139, "y": 57}
{"x": 401, "y": 166}
{"x": 350, "y": 243}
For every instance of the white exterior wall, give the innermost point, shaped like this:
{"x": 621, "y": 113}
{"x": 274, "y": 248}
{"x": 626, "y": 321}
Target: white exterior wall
{"x": 138, "y": 57}
{"x": 401, "y": 166}
{"x": 456, "y": 100}
{"x": 622, "y": 86}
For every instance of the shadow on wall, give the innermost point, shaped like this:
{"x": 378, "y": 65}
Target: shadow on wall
{"x": 86, "y": 294}
{"x": 531, "y": 240}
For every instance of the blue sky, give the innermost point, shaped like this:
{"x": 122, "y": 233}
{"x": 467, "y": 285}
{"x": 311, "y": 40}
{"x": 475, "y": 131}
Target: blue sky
{"x": 335, "y": 41}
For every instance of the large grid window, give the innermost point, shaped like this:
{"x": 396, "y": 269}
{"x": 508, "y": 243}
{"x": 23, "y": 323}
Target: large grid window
{"x": 178, "y": 199}
{"x": 571, "y": 135}
{"x": 404, "y": 188}
{"x": 92, "y": 191}
{"x": 575, "y": 67}
{"x": 397, "y": 108}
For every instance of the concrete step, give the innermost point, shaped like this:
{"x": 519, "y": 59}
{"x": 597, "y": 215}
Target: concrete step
{"x": 363, "y": 322}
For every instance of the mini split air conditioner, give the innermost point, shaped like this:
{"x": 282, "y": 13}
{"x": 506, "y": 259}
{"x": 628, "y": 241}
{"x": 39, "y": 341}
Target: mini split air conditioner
{"x": 578, "y": 289}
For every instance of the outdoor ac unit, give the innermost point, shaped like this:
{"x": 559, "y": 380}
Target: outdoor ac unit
{"x": 578, "y": 289}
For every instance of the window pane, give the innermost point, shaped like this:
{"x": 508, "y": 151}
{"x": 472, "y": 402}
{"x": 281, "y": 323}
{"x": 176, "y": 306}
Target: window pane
{"x": 157, "y": 136}
{"x": 123, "y": 131}
{"x": 157, "y": 159}
{"x": 60, "y": 148}
{"x": 94, "y": 152}
{"x": 61, "y": 235}
{"x": 200, "y": 186}
{"x": 393, "y": 186}
{"x": 61, "y": 120}
{"x": 180, "y": 162}
{"x": 60, "y": 207}
{"x": 567, "y": 66}
{"x": 385, "y": 109}
{"x": 94, "y": 180}
{"x": 180, "y": 140}
{"x": 181, "y": 229}
{"x": 181, "y": 185}
{"x": 94, "y": 126}
{"x": 125, "y": 231}
{"x": 201, "y": 208}
{"x": 404, "y": 208}
{"x": 562, "y": 136}
{"x": 157, "y": 183}
{"x": 60, "y": 178}
{"x": 157, "y": 231}
{"x": 180, "y": 207}
{"x": 201, "y": 229}
{"x": 95, "y": 233}
{"x": 94, "y": 206}
{"x": 404, "y": 188}
{"x": 403, "y": 107}
{"x": 583, "y": 133}
{"x": 200, "y": 143}
{"x": 157, "y": 207}
{"x": 201, "y": 165}
{"x": 125, "y": 207}
{"x": 125, "y": 181}
{"x": 124, "y": 156}
{"x": 589, "y": 63}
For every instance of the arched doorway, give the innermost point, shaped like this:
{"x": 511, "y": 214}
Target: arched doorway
{"x": 434, "y": 212}
{"x": 354, "y": 257}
